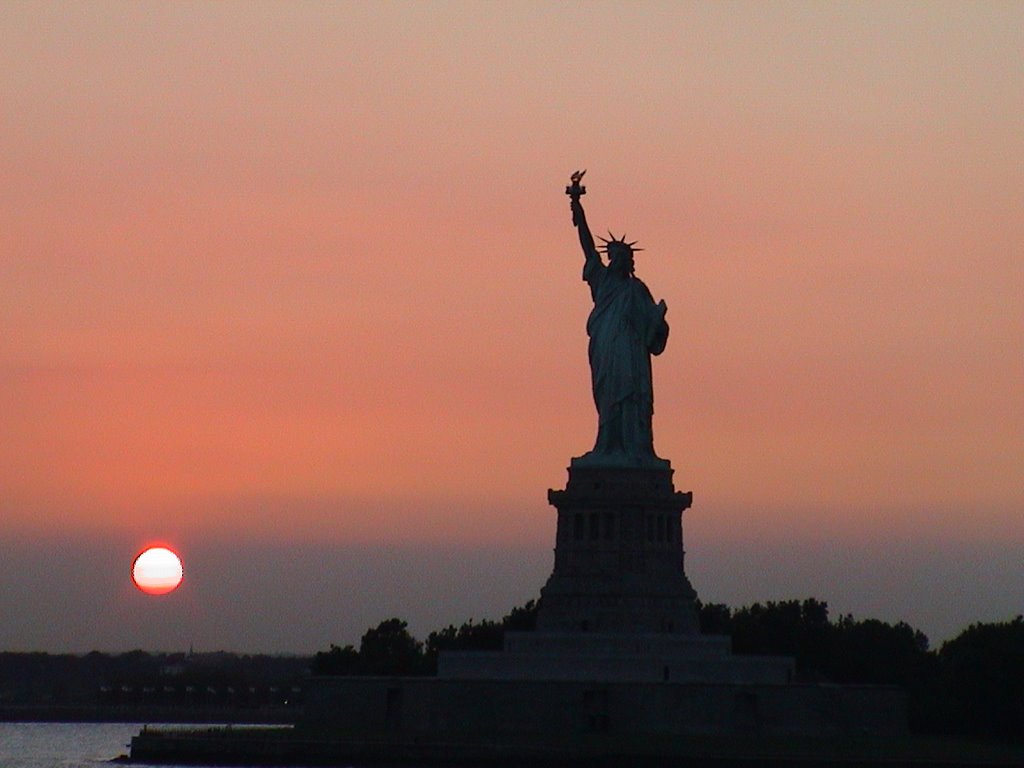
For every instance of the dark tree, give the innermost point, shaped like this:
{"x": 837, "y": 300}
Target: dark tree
{"x": 871, "y": 651}
{"x": 522, "y": 618}
{"x": 337, "y": 661}
{"x": 789, "y": 628}
{"x": 983, "y": 680}
{"x": 714, "y": 618}
{"x": 389, "y": 649}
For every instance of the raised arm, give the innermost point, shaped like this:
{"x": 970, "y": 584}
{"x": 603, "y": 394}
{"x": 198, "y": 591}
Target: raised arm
{"x": 579, "y": 218}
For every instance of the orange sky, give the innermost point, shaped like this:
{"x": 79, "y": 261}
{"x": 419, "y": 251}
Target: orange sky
{"x": 305, "y": 272}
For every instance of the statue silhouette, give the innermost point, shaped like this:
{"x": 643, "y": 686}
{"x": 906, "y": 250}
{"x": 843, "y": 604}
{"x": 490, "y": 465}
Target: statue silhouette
{"x": 625, "y": 327}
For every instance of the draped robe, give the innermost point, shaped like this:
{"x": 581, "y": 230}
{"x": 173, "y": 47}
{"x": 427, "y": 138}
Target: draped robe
{"x": 625, "y": 327}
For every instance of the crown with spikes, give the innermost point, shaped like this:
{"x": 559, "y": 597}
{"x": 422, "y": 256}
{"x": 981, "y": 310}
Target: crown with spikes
{"x": 617, "y": 241}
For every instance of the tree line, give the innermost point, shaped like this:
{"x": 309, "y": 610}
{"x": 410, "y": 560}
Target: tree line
{"x": 972, "y": 686}
{"x": 390, "y": 649}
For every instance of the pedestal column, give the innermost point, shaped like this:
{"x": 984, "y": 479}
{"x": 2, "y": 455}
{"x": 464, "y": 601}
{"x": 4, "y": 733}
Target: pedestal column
{"x": 619, "y": 558}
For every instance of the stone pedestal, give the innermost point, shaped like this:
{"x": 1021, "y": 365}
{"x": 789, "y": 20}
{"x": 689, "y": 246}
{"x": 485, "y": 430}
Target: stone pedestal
{"x": 618, "y": 606}
{"x": 619, "y": 558}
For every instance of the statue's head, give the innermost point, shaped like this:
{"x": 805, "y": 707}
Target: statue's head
{"x": 620, "y": 254}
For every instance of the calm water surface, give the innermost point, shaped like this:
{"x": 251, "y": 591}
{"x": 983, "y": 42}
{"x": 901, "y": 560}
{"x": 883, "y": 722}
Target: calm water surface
{"x": 65, "y": 745}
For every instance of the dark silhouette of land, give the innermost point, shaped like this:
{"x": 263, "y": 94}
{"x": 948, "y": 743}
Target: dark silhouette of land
{"x": 972, "y": 686}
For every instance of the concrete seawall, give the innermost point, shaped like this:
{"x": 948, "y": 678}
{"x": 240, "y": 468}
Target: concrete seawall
{"x": 252, "y": 747}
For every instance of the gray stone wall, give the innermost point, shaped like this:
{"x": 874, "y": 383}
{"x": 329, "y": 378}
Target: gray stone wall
{"x": 615, "y": 657}
{"x": 524, "y": 710}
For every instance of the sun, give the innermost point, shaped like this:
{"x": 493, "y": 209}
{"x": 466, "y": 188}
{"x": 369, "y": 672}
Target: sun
{"x": 157, "y": 571}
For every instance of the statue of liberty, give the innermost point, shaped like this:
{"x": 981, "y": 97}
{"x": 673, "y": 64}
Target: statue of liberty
{"x": 625, "y": 327}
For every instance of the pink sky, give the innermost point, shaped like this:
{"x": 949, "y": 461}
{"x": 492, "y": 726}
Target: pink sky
{"x": 284, "y": 273}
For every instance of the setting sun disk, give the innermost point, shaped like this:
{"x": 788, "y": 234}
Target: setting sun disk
{"x": 157, "y": 571}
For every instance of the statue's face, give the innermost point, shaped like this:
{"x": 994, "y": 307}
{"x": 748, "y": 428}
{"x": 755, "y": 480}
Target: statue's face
{"x": 620, "y": 259}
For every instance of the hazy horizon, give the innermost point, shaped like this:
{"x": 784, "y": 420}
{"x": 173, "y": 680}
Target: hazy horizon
{"x": 300, "y": 597}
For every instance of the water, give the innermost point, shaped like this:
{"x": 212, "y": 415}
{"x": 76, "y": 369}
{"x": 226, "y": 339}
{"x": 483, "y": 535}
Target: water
{"x": 65, "y": 745}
